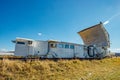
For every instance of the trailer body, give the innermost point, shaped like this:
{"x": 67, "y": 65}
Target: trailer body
{"x": 95, "y": 38}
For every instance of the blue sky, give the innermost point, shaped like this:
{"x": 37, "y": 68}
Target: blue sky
{"x": 56, "y": 19}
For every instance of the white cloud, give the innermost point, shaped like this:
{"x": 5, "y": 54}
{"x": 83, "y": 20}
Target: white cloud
{"x": 39, "y": 34}
{"x": 112, "y": 17}
{"x": 106, "y": 22}
{"x": 3, "y": 49}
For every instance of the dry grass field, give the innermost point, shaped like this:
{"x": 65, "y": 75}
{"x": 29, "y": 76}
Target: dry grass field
{"x": 105, "y": 69}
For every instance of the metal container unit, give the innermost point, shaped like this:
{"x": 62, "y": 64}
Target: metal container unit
{"x": 27, "y": 47}
{"x": 48, "y": 49}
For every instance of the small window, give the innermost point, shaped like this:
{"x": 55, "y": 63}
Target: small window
{"x": 20, "y": 42}
{"x": 53, "y": 45}
{"x": 60, "y": 45}
{"x": 71, "y": 46}
{"x": 66, "y": 45}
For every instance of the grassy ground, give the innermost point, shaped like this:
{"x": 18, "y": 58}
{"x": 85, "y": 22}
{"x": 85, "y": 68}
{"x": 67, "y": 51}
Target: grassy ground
{"x": 106, "y": 69}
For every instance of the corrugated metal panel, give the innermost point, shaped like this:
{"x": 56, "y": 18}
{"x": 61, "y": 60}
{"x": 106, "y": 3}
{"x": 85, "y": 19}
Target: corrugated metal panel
{"x": 40, "y": 47}
{"x": 61, "y": 52}
{"x": 21, "y": 50}
{"x": 79, "y": 51}
{"x": 22, "y": 47}
{"x": 95, "y": 35}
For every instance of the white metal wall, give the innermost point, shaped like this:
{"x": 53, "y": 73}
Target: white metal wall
{"x": 57, "y": 52}
{"x": 61, "y": 52}
{"x": 21, "y": 50}
{"x": 40, "y": 47}
{"x": 79, "y": 51}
